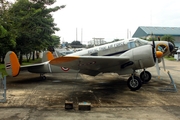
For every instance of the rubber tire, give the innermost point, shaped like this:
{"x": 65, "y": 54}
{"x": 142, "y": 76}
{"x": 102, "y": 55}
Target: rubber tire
{"x": 43, "y": 77}
{"x": 138, "y": 82}
{"x": 147, "y": 79}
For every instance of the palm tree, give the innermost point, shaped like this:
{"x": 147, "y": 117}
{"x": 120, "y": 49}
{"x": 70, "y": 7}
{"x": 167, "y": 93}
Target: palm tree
{"x": 152, "y": 38}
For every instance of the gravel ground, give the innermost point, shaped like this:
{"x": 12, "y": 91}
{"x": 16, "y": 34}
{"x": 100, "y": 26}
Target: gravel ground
{"x": 30, "y": 98}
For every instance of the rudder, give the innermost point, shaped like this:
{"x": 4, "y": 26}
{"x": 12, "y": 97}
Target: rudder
{"x": 47, "y": 56}
{"x": 12, "y": 65}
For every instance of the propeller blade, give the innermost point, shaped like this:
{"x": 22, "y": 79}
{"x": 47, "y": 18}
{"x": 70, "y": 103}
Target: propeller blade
{"x": 156, "y": 55}
{"x": 154, "y": 50}
{"x": 157, "y": 68}
{"x": 153, "y": 44}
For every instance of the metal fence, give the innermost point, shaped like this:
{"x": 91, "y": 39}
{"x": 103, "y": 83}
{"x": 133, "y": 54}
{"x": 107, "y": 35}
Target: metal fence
{"x": 2, "y": 88}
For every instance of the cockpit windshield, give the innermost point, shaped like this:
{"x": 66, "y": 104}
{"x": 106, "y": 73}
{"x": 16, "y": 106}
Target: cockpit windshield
{"x": 140, "y": 42}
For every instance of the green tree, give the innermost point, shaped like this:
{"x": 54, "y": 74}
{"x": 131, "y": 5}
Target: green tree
{"x": 152, "y": 38}
{"x": 168, "y": 38}
{"x": 7, "y": 32}
{"x": 55, "y": 41}
{"x": 3, "y": 32}
{"x": 76, "y": 44}
{"x": 35, "y": 25}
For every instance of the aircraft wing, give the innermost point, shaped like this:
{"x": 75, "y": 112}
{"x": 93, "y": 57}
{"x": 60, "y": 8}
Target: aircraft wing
{"x": 89, "y": 63}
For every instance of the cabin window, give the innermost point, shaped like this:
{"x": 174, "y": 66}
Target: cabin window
{"x": 140, "y": 42}
{"x": 131, "y": 45}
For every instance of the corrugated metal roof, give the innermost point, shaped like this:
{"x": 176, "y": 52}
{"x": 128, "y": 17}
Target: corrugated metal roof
{"x": 148, "y": 30}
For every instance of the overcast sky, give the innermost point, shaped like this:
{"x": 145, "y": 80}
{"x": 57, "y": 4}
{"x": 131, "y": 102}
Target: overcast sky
{"x": 110, "y": 19}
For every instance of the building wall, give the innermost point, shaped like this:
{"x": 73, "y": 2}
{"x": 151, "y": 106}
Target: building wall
{"x": 177, "y": 41}
{"x": 143, "y": 32}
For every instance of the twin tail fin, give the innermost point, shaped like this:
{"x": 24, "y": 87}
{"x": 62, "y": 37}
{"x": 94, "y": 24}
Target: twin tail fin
{"x": 12, "y": 65}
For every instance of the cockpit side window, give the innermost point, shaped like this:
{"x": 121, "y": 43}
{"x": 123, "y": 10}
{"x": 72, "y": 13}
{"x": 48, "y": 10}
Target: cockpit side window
{"x": 140, "y": 42}
{"x": 131, "y": 45}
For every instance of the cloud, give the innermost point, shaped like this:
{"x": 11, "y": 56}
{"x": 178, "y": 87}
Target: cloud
{"x": 110, "y": 19}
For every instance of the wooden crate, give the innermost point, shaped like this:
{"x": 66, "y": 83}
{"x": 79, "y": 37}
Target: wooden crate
{"x": 68, "y": 105}
{"x": 84, "y": 106}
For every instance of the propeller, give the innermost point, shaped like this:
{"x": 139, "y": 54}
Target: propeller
{"x": 157, "y": 54}
{"x": 171, "y": 48}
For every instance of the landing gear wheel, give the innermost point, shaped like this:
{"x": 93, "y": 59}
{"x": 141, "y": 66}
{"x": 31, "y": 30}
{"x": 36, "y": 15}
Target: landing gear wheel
{"x": 43, "y": 77}
{"x": 134, "y": 84}
{"x": 145, "y": 76}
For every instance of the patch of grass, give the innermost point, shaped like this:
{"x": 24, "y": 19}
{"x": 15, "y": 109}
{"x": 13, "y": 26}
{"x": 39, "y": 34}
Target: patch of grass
{"x": 24, "y": 62}
{"x": 170, "y": 58}
{"x": 2, "y": 69}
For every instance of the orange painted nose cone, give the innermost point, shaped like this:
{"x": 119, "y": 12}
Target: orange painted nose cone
{"x": 159, "y": 54}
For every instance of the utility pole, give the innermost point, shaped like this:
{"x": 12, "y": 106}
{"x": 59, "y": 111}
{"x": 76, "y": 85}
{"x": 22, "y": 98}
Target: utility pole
{"x": 81, "y": 35}
{"x": 76, "y": 35}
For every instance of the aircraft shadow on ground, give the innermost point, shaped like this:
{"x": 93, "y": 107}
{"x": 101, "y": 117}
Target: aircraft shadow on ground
{"x": 91, "y": 92}
{"x": 83, "y": 90}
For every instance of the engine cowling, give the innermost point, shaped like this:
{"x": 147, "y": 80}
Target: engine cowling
{"x": 142, "y": 57}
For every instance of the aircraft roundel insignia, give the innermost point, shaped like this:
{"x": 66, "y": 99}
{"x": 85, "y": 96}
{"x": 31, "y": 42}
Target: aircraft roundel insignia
{"x": 64, "y": 68}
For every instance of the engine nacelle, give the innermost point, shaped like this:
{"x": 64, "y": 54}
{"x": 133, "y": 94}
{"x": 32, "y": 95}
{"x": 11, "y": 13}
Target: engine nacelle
{"x": 141, "y": 57}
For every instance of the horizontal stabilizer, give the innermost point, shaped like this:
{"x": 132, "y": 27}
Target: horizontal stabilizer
{"x": 33, "y": 65}
{"x": 13, "y": 67}
{"x": 47, "y": 56}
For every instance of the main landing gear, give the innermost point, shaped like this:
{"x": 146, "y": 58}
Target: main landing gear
{"x": 42, "y": 76}
{"x": 134, "y": 83}
{"x": 145, "y": 76}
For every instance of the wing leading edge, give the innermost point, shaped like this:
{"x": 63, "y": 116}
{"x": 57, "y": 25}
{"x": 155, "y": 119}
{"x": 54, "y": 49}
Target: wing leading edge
{"x": 90, "y": 63}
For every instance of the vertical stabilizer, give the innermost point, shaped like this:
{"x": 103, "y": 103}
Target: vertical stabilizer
{"x": 47, "y": 56}
{"x": 12, "y": 65}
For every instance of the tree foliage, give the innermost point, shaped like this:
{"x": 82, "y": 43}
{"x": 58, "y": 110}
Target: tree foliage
{"x": 76, "y": 44}
{"x": 55, "y": 41}
{"x": 168, "y": 38}
{"x": 152, "y": 38}
{"x": 3, "y": 32}
{"x": 34, "y": 25}
{"x": 7, "y": 33}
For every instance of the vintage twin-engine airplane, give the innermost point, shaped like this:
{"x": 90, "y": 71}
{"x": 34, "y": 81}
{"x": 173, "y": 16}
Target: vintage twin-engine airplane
{"x": 122, "y": 57}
